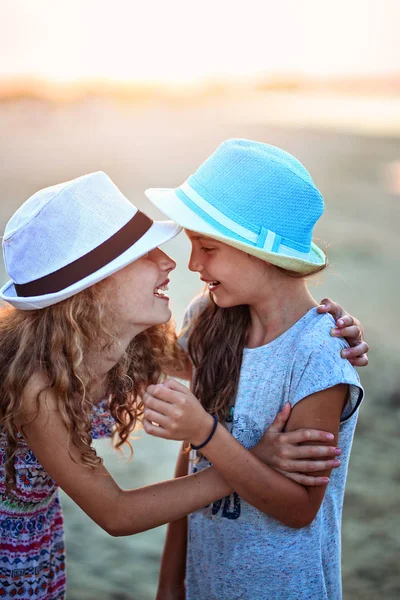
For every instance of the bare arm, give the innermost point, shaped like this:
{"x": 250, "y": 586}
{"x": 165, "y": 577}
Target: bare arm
{"x": 293, "y": 504}
{"x": 171, "y": 585}
{"x": 119, "y": 512}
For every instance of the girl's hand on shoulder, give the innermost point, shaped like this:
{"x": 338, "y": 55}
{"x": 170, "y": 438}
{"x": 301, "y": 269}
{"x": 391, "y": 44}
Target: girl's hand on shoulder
{"x": 174, "y": 413}
{"x": 282, "y": 451}
{"x": 349, "y": 328}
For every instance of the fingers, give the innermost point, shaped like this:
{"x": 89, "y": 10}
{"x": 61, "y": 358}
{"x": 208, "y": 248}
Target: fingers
{"x": 301, "y": 452}
{"x": 156, "y": 418}
{"x": 307, "y": 480}
{"x": 308, "y": 466}
{"x": 356, "y": 351}
{"x": 348, "y": 321}
{"x": 362, "y": 361}
{"x": 345, "y": 321}
{"x": 306, "y": 435}
{"x": 352, "y": 333}
{"x": 342, "y": 319}
{"x": 324, "y": 305}
{"x": 327, "y": 305}
{"x": 158, "y": 406}
{"x": 179, "y": 415}
{"x": 172, "y": 384}
{"x": 280, "y": 420}
{"x": 351, "y": 329}
{"x": 165, "y": 393}
{"x": 154, "y": 430}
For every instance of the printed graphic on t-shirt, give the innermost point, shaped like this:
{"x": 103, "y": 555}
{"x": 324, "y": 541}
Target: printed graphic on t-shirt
{"x": 228, "y": 507}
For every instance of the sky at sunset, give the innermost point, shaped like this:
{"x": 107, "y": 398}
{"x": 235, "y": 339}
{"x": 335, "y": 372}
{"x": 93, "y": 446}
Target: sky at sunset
{"x": 187, "y": 41}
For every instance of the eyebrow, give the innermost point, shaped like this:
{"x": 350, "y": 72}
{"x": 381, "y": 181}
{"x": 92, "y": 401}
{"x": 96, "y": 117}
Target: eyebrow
{"x": 202, "y": 237}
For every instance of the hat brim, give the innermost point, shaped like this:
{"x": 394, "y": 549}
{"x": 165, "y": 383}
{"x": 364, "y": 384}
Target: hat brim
{"x": 168, "y": 202}
{"x": 159, "y": 233}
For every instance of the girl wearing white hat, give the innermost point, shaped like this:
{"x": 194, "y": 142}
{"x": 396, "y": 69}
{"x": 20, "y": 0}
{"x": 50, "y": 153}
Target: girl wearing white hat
{"x": 86, "y": 330}
{"x": 259, "y": 345}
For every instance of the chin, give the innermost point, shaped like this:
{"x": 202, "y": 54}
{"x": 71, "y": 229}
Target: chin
{"x": 159, "y": 318}
{"x": 165, "y": 317}
{"x": 225, "y": 302}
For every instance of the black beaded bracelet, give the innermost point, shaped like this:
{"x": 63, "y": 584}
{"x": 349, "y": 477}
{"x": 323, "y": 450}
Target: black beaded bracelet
{"x": 215, "y": 425}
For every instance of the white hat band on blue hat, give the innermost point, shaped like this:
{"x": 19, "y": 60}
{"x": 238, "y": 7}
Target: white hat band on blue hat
{"x": 265, "y": 239}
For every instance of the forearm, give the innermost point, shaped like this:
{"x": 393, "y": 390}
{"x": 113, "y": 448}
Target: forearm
{"x": 144, "y": 508}
{"x": 172, "y": 411}
{"x": 260, "y": 485}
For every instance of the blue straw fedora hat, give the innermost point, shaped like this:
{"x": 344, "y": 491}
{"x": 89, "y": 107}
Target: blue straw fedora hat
{"x": 69, "y": 236}
{"x": 255, "y": 197}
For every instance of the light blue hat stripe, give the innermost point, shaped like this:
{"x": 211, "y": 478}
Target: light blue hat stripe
{"x": 198, "y": 211}
{"x": 227, "y": 211}
{"x": 277, "y": 243}
{"x": 218, "y": 217}
{"x": 266, "y": 239}
{"x": 287, "y": 251}
{"x": 262, "y": 237}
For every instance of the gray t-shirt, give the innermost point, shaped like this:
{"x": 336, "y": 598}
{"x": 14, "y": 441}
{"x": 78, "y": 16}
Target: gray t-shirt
{"x": 238, "y": 552}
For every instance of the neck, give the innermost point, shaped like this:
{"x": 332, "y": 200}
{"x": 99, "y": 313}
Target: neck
{"x": 273, "y": 314}
{"x": 102, "y": 361}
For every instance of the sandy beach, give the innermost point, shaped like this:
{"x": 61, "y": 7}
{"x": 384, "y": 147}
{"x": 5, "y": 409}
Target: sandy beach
{"x": 354, "y": 163}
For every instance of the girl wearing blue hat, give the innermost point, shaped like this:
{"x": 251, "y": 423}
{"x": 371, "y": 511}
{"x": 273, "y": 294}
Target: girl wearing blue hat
{"x": 259, "y": 345}
{"x": 84, "y": 332}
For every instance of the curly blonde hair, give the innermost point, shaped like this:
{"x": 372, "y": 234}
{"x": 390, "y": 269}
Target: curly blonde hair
{"x": 55, "y": 342}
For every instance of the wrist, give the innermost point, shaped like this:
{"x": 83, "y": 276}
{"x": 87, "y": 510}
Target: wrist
{"x": 263, "y": 453}
{"x": 206, "y": 433}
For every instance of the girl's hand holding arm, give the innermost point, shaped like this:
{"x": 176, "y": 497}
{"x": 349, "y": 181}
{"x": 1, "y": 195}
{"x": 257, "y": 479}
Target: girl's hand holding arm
{"x": 349, "y": 328}
{"x": 279, "y": 450}
{"x": 179, "y": 415}
{"x": 299, "y": 455}
{"x": 294, "y": 454}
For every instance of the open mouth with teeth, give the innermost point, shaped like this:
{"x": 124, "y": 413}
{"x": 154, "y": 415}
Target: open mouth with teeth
{"x": 159, "y": 290}
{"x": 212, "y": 285}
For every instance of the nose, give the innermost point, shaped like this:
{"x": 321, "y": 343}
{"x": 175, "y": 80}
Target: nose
{"x": 194, "y": 263}
{"x": 164, "y": 262}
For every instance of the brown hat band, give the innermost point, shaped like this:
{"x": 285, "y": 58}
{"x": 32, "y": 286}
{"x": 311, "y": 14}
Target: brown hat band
{"x": 89, "y": 263}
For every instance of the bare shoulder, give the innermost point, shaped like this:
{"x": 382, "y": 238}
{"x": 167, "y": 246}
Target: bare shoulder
{"x": 37, "y": 398}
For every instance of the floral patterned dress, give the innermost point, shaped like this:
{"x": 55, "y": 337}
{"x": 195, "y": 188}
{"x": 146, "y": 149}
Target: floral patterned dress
{"x": 32, "y": 550}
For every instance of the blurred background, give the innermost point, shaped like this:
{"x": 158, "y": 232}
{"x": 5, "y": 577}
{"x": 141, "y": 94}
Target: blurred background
{"x": 145, "y": 91}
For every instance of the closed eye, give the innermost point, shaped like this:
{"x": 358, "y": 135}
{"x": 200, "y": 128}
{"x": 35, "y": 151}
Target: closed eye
{"x": 205, "y": 249}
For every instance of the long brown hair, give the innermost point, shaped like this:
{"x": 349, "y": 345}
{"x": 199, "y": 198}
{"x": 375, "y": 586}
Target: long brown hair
{"x": 55, "y": 342}
{"x": 216, "y": 342}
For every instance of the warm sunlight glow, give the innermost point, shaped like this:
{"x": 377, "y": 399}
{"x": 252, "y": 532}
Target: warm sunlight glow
{"x": 183, "y": 41}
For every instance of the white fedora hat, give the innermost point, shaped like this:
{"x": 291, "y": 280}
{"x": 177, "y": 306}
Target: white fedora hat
{"x": 67, "y": 237}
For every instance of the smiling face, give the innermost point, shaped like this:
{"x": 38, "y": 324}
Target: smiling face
{"x": 233, "y": 277}
{"x": 138, "y": 292}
